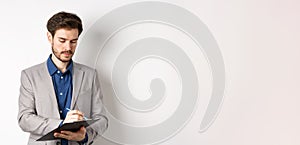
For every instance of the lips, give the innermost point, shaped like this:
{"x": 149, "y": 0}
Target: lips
{"x": 67, "y": 53}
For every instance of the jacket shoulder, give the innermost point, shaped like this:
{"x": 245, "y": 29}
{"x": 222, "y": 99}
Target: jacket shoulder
{"x": 35, "y": 68}
{"x": 83, "y": 67}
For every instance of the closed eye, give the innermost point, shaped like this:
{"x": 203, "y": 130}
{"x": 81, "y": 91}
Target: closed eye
{"x": 62, "y": 40}
{"x": 74, "y": 41}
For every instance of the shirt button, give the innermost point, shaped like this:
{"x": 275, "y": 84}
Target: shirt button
{"x": 61, "y": 77}
{"x": 60, "y": 111}
{"x": 61, "y": 94}
{"x": 58, "y": 71}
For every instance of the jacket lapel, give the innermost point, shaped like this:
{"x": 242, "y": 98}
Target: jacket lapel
{"x": 49, "y": 89}
{"x": 77, "y": 81}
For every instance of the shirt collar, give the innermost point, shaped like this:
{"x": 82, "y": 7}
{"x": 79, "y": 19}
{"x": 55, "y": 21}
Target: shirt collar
{"x": 53, "y": 69}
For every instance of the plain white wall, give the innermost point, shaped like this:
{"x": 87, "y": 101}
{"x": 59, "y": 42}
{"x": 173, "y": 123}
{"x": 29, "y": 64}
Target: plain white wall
{"x": 259, "y": 40}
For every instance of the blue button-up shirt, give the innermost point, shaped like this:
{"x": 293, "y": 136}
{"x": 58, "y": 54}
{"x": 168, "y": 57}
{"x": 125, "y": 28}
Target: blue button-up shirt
{"x": 62, "y": 83}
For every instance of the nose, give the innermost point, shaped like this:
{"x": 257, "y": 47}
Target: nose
{"x": 68, "y": 46}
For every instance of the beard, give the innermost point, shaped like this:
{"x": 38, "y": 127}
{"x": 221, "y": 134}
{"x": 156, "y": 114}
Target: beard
{"x": 58, "y": 55}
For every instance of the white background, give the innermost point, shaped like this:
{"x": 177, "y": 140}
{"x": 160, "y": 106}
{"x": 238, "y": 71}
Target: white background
{"x": 259, "y": 40}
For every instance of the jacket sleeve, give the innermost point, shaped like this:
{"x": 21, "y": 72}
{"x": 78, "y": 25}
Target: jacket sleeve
{"x": 97, "y": 112}
{"x": 28, "y": 119}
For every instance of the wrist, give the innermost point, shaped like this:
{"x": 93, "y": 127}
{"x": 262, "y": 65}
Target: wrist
{"x": 84, "y": 140}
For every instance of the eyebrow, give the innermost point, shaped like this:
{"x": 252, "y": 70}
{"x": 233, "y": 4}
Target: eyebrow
{"x": 66, "y": 39}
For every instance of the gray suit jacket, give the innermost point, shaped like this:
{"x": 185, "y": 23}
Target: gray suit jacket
{"x": 38, "y": 109}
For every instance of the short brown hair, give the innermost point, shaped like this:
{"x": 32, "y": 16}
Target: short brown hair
{"x": 64, "y": 20}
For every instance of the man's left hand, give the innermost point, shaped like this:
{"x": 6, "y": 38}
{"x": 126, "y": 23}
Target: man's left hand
{"x": 74, "y": 136}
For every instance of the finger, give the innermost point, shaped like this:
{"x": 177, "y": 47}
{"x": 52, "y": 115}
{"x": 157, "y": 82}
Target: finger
{"x": 61, "y": 135}
{"x": 74, "y": 117}
{"x": 82, "y": 130}
{"x": 56, "y": 134}
{"x": 68, "y": 133}
{"x": 75, "y": 112}
{"x": 78, "y": 136}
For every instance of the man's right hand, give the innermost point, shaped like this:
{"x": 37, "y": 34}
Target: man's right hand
{"x": 74, "y": 115}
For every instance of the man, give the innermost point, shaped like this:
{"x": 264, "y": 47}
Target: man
{"x": 51, "y": 89}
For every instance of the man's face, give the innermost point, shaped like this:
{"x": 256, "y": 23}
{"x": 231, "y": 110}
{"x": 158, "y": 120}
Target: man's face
{"x": 64, "y": 43}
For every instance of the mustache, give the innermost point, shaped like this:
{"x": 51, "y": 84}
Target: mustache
{"x": 69, "y": 51}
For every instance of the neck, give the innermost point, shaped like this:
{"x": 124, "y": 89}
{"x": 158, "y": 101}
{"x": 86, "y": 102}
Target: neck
{"x": 62, "y": 66}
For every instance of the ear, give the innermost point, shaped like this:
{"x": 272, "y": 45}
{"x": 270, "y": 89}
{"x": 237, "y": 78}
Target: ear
{"x": 50, "y": 38}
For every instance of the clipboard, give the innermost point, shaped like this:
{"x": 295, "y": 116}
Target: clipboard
{"x": 72, "y": 126}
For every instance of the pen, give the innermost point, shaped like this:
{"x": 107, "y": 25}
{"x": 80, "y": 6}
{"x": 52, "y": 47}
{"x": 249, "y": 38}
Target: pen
{"x": 85, "y": 118}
